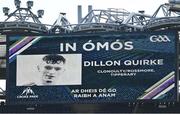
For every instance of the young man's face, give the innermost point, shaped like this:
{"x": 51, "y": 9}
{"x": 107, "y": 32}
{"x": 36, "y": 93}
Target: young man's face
{"x": 51, "y": 72}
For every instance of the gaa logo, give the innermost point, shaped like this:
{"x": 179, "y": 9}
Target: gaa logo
{"x": 159, "y": 38}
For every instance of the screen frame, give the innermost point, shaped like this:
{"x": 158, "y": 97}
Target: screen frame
{"x": 101, "y": 33}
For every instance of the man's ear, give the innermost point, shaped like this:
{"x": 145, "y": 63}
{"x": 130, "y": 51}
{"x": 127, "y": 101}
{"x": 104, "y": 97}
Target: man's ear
{"x": 38, "y": 68}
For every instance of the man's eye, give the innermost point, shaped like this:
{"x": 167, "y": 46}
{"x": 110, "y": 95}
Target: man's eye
{"x": 57, "y": 68}
{"x": 48, "y": 67}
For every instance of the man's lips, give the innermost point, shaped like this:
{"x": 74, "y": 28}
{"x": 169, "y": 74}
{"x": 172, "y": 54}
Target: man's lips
{"x": 48, "y": 79}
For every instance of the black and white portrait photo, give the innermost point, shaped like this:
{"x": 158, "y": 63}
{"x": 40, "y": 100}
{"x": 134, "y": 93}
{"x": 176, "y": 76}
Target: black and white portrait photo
{"x": 49, "y": 69}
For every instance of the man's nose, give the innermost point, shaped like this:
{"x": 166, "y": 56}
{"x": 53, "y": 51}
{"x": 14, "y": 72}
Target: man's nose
{"x": 52, "y": 71}
{"x": 50, "y": 76}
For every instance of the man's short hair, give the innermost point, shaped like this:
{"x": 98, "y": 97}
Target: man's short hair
{"x": 54, "y": 59}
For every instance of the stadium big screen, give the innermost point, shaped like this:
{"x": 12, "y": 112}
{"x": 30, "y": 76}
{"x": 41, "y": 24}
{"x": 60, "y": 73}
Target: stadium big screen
{"x": 92, "y": 68}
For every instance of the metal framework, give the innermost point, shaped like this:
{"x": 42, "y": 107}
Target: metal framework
{"x": 112, "y": 20}
{"x": 22, "y": 20}
{"x": 61, "y": 25}
{"x": 165, "y": 17}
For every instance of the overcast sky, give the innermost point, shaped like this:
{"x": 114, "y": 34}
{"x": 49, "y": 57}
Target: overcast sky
{"x": 54, "y": 7}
